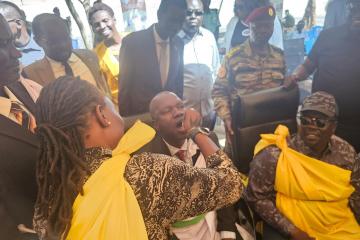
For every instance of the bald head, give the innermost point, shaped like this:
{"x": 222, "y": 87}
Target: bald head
{"x": 158, "y": 101}
{"x": 11, "y": 11}
{"x": 168, "y": 112}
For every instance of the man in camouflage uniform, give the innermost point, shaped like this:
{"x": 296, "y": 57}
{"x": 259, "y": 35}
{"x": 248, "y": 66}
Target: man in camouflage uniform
{"x": 315, "y": 138}
{"x": 253, "y": 66}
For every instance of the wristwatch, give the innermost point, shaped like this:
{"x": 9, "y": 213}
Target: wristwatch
{"x": 197, "y": 130}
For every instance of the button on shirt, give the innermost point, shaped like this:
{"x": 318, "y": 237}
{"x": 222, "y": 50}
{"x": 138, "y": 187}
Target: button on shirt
{"x": 201, "y": 62}
{"x": 205, "y": 229}
{"x": 163, "y": 55}
{"x": 78, "y": 67}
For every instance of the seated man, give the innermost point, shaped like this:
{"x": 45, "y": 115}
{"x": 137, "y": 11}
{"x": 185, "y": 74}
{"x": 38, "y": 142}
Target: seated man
{"x": 168, "y": 112}
{"x": 52, "y": 34}
{"x": 307, "y": 186}
{"x": 18, "y": 146}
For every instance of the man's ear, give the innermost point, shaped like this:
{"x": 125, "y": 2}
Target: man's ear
{"x": 100, "y": 116}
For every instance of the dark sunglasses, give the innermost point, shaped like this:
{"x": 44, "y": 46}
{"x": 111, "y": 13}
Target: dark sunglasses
{"x": 318, "y": 122}
{"x": 197, "y": 13}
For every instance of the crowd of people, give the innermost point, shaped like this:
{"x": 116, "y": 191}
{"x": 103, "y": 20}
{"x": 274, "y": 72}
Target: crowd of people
{"x": 117, "y": 142}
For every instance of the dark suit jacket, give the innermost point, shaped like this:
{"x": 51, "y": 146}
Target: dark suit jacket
{"x": 18, "y": 189}
{"x": 139, "y": 78}
{"x": 41, "y": 72}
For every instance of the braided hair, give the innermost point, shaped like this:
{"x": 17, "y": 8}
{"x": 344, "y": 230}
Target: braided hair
{"x": 62, "y": 111}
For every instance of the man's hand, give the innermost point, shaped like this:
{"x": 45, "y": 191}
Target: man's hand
{"x": 298, "y": 234}
{"x": 192, "y": 119}
{"x": 290, "y": 81}
{"x": 228, "y": 129}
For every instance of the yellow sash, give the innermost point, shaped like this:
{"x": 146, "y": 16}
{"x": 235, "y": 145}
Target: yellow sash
{"x": 311, "y": 193}
{"x": 108, "y": 209}
{"x": 109, "y": 65}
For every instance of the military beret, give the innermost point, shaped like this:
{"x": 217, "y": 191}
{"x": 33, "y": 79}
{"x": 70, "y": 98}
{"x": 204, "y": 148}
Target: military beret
{"x": 322, "y": 102}
{"x": 261, "y": 13}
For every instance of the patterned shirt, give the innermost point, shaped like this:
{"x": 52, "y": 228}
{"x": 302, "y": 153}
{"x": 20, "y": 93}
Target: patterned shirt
{"x": 244, "y": 72}
{"x": 168, "y": 189}
{"x": 261, "y": 194}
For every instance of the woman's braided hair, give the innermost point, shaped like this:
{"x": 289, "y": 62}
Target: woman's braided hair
{"x": 62, "y": 112}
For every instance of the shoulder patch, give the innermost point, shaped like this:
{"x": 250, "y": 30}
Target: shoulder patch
{"x": 232, "y": 51}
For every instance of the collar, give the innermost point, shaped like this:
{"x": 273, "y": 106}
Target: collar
{"x": 297, "y": 143}
{"x": 248, "y": 51}
{"x": 188, "y": 145}
{"x": 97, "y": 153}
{"x": 5, "y": 102}
{"x": 183, "y": 35}
{"x": 158, "y": 39}
{"x": 72, "y": 59}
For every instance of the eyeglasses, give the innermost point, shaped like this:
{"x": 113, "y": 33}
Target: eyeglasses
{"x": 197, "y": 13}
{"x": 318, "y": 122}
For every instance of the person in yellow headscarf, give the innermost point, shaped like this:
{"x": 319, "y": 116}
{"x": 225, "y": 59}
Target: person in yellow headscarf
{"x": 89, "y": 186}
{"x": 107, "y": 44}
{"x": 307, "y": 186}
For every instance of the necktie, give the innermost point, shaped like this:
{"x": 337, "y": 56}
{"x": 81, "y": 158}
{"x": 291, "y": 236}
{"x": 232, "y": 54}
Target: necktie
{"x": 181, "y": 154}
{"x": 68, "y": 70}
{"x": 163, "y": 63}
{"x": 22, "y": 117}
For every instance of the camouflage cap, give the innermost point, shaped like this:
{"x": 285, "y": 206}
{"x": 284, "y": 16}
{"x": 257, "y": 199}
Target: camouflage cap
{"x": 322, "y": 102}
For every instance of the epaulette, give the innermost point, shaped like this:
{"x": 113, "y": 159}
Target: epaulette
{"x": 232, "y": 51}
{"x": 278, "y": 50}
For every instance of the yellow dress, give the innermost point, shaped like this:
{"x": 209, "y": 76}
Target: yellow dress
{"x": 109, "y": 65}
{"x": 312, "y": 194}
{"x": 108, "y": 210}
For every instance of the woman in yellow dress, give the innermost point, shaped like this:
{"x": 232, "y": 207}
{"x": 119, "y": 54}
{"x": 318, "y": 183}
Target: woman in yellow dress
{"x": 107, "y": 45}
{"x": 89, "y": 185}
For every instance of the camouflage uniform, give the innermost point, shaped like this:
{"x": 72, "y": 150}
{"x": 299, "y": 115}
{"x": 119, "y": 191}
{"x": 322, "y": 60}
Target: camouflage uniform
{"x": 260, "y": 192}
{"x": 243, "y": 72}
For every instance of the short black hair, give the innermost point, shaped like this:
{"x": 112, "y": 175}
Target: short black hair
{"x": 39, "y": 20}
{"x": 99, "y": 6}
{"x": 7, "y": 4}
{"x": 165, "y": 4}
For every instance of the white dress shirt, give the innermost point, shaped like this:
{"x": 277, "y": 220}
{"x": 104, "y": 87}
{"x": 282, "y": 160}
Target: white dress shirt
{"x": 163, "y": 55}
{"x": 201, "y": 63}
{"x": 78, "y": 67}
{"x": 206, "y": 228}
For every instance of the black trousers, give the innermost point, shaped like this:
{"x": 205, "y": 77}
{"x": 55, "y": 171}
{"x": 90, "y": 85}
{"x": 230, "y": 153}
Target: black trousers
{"x": 270, "y": 233}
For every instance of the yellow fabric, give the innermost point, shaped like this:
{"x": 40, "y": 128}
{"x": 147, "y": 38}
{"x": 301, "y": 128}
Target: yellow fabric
{"x": 311, "y": 193}
{"x": 109, "y": 209}
{"x": 109, "y": 65}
